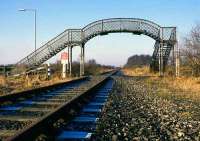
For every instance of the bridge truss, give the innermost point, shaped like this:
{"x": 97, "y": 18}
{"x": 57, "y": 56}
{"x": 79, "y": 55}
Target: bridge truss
{"x": 165, "y": 41}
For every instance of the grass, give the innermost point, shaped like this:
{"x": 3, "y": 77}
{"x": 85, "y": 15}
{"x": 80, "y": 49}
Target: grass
{"x": 17, "y": 84}
{"x": 182, "y": 87}
{"x": 2, "y": 81}
{"x": 138, "y": 71}
{"x": 188, "y": 87}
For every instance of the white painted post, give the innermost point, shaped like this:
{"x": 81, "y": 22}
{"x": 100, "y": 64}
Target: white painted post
{"x": 64, "y": 71}
{"x": 48, "y": 71}
{"x": 64, "y": 57}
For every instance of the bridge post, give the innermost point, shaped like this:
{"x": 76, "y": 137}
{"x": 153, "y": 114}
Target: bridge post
{"x": 173, "y": 55}
{"x": 82, "y": 59}
{"x": 174, "y": 59}
{"x": 161, "y": 60}
{"x": 161, "y": 70}
{"x": 177, "y": 59}
{"x": 70, "y": 61}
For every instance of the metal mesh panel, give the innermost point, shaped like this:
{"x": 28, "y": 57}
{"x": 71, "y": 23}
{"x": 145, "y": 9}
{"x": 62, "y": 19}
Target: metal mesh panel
{"x": 76, "y": 36}
{"x": 94, "y": 29}
{"x": 122, "y": 25}
{"x": 168, "y": 32}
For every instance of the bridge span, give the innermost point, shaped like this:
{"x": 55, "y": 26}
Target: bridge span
{"x": 165, "y": 42}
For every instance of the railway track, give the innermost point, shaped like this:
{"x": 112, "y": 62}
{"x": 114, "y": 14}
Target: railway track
{"x": 31, "y": 114}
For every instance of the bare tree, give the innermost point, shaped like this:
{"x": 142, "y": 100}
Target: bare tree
{"x": 192, "y": 49}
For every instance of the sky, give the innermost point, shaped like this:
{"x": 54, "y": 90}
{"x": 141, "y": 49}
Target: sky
{"x": 54, "y": 16}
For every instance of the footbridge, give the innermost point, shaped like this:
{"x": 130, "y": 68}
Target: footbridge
{"x": 165, "y": 42}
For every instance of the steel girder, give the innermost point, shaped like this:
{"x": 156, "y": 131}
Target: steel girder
{"x": 73, "y": 37}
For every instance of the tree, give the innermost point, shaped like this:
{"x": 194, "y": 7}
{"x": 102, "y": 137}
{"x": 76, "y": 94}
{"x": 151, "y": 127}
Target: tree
{"x": 138, "y": 60}
{"x": 192, "y": 50}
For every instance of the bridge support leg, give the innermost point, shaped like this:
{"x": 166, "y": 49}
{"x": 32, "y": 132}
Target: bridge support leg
{"x": 82, "y": 60}
{"x": 161, "y": 69}
{"x": 173, "y": 56}
{"x": 177, "y": 60}
{"x": 70, "y": 61}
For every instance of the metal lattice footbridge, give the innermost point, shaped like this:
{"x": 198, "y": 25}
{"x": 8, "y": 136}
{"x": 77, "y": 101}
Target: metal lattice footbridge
{"x": 165, "y": 41}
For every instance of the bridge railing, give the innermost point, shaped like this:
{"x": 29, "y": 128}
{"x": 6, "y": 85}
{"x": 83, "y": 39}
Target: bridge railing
{"x": 169, "y": 33}
{"x": 68, "y": 36}
{"x": 121, "y": 25}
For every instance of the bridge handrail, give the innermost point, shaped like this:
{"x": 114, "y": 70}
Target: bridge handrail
{"x": 111, "y": 19}
{"x": 49, "y": 43}
{"x": 99, "y": 26}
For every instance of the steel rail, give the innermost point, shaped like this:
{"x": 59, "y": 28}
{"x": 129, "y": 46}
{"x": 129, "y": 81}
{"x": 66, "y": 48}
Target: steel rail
{"x": 46, "y": 122}
{"x": 27, "y": 116}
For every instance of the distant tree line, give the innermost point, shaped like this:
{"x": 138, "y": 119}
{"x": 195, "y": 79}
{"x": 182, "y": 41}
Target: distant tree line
{"x": 138, "y": 61}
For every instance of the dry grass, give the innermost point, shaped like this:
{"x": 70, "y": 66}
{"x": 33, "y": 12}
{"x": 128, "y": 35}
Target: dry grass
{"x": 178, "y": 88}
{"x": 17, "y": 84}
{"x": 2, "y": 81}
{"x": 3, "y": 86}
{"x": 140, "y": 71}
{"x": 170, "y": 86}
{"x": 184, "y": 83}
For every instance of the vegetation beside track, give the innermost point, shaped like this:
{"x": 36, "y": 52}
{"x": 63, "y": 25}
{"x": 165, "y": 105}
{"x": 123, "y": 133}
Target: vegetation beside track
{"x": 25, "y": 82}
{"x": 141, "y": 109}
{"x": 138, "y": 71}
{"x": 183, "y": 86}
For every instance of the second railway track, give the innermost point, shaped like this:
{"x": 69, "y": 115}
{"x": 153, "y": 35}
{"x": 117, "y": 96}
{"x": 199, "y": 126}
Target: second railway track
{"x": 26, "y": 115}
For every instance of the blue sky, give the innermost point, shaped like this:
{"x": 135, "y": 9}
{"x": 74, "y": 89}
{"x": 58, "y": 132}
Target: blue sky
{"x": 54, "y": 16}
